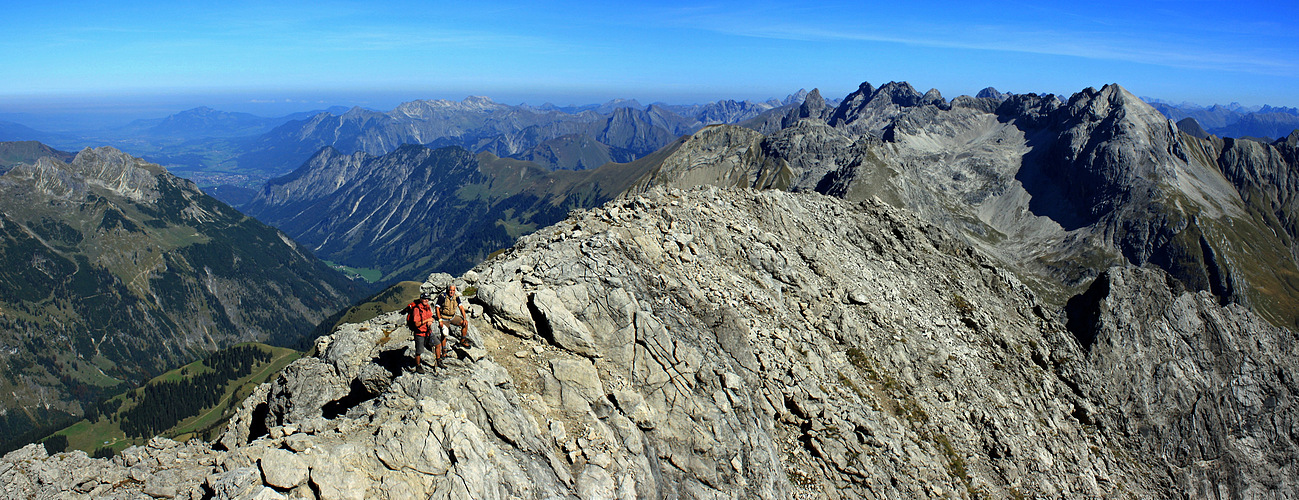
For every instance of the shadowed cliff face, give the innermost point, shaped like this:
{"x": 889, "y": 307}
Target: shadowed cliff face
{"x": 735, "y": 343}
{"x": 112, "y": 270}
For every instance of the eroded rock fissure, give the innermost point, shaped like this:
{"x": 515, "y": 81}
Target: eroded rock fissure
{"x": 733, "y": 343}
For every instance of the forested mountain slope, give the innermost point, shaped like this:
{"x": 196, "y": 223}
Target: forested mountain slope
{"x": 113, "y": 270}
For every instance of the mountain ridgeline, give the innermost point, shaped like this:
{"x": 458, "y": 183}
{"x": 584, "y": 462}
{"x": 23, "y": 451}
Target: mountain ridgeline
{"x": 417, "y": 210}
{"x": 1063, "y": 189}
{"x": 1267, "y": 123}
{"x": 113, "y": 270}
{"x": 565, "y": 139}
{"x": 1060, "y": 189}
{"x": 892, "y": 295}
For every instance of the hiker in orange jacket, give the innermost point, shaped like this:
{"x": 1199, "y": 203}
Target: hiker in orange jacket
{"x": 419, "y": 318}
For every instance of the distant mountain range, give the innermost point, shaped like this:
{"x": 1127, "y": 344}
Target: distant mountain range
{"x": 567, "y": 138}
{"x": 199, "y": 144}
{"x": 233, "y": 154}
{"x": 204, "y": 122}
{"x": 417, "y": 210}
{"x": 1266, "y": 123}
{"x": 113, "y": 270}
{"x": 1061, "y": 188}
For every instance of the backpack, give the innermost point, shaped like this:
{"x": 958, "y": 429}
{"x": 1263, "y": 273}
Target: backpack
{"x": 410, "y": 311}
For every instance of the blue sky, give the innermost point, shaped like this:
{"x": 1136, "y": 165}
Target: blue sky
{"x": 279, "y": 56}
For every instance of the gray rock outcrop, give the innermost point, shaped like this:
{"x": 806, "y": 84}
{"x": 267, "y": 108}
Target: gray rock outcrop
{"x": 1059, "y": 190}
{"x": 1210, "y": 389}
{"x": 761, "y": 344}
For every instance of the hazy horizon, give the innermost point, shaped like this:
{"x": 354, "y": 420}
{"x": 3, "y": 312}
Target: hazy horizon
{"x": 91, "y": 112}
{"x": 112, "y": 63}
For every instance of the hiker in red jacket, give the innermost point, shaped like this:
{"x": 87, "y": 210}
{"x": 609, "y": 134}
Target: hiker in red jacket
{"x": 419, "y": 318}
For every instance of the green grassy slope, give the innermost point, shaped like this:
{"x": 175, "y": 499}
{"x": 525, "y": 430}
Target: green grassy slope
{"x": 106, "y": 432}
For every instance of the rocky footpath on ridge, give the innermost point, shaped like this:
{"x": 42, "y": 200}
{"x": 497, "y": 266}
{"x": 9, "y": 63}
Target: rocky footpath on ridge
{"x": 718, "y": 343}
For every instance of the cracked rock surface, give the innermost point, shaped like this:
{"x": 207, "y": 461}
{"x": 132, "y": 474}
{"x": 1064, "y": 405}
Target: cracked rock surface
{"x": 718, "y": 343}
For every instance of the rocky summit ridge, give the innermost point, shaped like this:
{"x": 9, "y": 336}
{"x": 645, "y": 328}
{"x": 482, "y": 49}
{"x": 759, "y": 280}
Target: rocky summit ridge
{"x": 730, "y": 343}
{"x": 1060, "y": 190}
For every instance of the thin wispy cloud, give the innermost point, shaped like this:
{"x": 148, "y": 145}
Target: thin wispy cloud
{"x": 1103, "y": 46}
{"x": 1183, "y": 49}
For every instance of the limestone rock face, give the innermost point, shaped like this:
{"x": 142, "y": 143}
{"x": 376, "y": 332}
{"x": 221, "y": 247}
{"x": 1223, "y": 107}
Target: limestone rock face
{"x": 1061, "y": 190}
{"x": 564, "y": 328}
{"x": 507, "y": 306}
{"x": 283, "y": 469}
{"x": 720, "y": 156}
{"x": 104, "y": 167}
{"x": 746, "y": 344}
{"x": 161, "y": 469}
{"x": 1210, "y": 388}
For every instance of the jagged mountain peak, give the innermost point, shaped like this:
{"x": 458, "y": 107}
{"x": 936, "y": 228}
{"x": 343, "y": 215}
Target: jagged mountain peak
{"x": 813, "y": 99}
{"x": 934, "y": 97}
{"x": 992, "y": 93}
{"x": 105, "y": 167}
{"x": 1113, "y": 99}
{"x": 873, "y": 109}
{"x": 113, "y": 157}
{"x": 795, "y": 98}
{"x": 1032, "y": 110}
{"x": 900, "y": 93}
